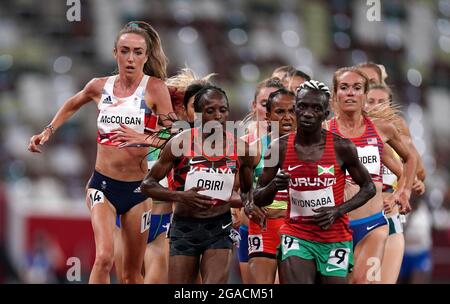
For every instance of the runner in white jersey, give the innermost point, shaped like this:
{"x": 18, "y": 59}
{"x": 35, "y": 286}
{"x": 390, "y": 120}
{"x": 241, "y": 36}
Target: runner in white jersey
{"x": 126, "y": 100}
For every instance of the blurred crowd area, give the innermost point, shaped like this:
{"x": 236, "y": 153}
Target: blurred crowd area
{"x": 44, "y": 59}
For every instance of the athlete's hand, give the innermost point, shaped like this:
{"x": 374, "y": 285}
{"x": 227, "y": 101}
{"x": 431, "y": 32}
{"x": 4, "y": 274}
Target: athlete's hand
{"x": 281, "y": 180}
{"x": 129, "y": 137}
{"x": 389, "y": 202}
{"x": 418, "y": 187}
{"x": 403, "y": 201}
{"x": 192, "y": 197}
{"x": 39, "y": 139}
{"x": 325, "y": 216}
{"x": 255, "y": 213}
{"x": 236, "y": 217}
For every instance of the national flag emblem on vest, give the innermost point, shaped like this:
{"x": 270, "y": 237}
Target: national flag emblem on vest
{"x": 372, "y": 141}
{"x": 231, "y": 164}
{"x": 325, "y": 170}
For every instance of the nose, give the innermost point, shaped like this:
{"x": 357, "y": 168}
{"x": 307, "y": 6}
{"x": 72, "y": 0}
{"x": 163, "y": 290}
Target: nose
{"x": 350, "y": 92}
{"x": 218, "y": 115}
{"x": 307, "y": 113}
{"x": 130, "y": 57}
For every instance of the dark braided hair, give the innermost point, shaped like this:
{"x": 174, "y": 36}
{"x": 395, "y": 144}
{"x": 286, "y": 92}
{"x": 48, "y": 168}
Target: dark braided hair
{"x": 205, "y": 90}
{"x": 314, "y": 85}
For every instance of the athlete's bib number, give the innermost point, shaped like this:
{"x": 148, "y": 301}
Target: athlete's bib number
{"x": 96, "y": 197}
{"x": 217, "y": 185}
{"x": 289, "y": 243}
{"x": 303, "y": 202}
{"x": 145, "y": 221}
{"x": 369, "y": 156}
{"x": 338, "y": 259}
{"x": 255, "y": 243}
{"x": 389, "y": 178}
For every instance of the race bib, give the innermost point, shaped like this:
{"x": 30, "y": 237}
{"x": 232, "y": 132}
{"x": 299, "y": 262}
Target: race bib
{"x": 218, "y": 185}
{"x": 289, "y": 243}
{"x": 110, "y": 118}
{"x": 303, "y": 202}
{"x": 369, "y": 156}
{"x": 338, "y": 259}
{"x": 389, "y": 178}
{"x": 255, "y": 243}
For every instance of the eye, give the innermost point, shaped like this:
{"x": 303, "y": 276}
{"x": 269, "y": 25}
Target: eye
{"x": 343, "y": 87}
{"x": 138, "y": 52}
{"x": 264, "y": 103}
{"x": 124, "y": 51}
{"x": 317, "y": 108}
{"x": 358, "y": 87}
{"x": 223, "y": 109}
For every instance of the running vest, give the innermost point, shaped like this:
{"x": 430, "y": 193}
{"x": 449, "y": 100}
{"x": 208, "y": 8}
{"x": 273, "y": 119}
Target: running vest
{"x": 314, "y": 184}
{"x": 369, "y": 146}
{"x": 281, "y": 198}
{"x": 131, "y": 111}
{"x": 215, "y": 174}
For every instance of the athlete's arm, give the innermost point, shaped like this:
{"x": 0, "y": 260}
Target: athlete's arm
{"x": 347, "y": 157}
{"x": 271, "y": 181}
{"x": 235, "y": 198}
{"x": 391, "y": 162}
{"x": 409, "y": 167}
{"x": 150, "y": 185}
{"x": 406, "y": 137}
{"x": 91, "y": 91}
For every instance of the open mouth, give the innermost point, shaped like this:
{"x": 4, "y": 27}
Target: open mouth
{"x": 306, "y": 123}
{"x": 129, "y": 68}
{"x": 350, "y": 101}
{"x": 286, "y": 126}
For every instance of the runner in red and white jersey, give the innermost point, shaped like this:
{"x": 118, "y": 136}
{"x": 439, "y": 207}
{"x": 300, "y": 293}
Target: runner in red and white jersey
{"x": 368, "y": 223}
{"x": 206, "y": 184}
{"x": 316, "y": 237}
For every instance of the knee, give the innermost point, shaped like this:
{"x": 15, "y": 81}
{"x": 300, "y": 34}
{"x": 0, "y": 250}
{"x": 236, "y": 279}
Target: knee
{"x": 132, "y": 277}
{"x": 104, "y": 261}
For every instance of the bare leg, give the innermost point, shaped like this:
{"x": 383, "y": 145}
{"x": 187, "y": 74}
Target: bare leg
{"x": 392, "y": 259}
{"x": 156, "y": 261}
{"x": 295, "y": 270}
{"x": 183, "y": 269}
{"x": 103, "y": 217}
{"x": 134, "y": 243}
{"x": 262, "y": 270}
{"x": 369, "y": 256}
{"x": 215, "y": 266}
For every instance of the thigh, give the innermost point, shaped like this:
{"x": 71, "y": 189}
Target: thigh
{"x": 392, "y": 258}
{"x": 118, "y": 255}
{"x": 262, "y": 270}
{"x": 134, "y": 235}
{"x": 369, "y": 256}
{"x": 156, "y": 260}
{"x": 183, "y": 269}
{"x": 103, "y": 220}
{"x": 295, "y": 270}
{"x": 215, "y": 266}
